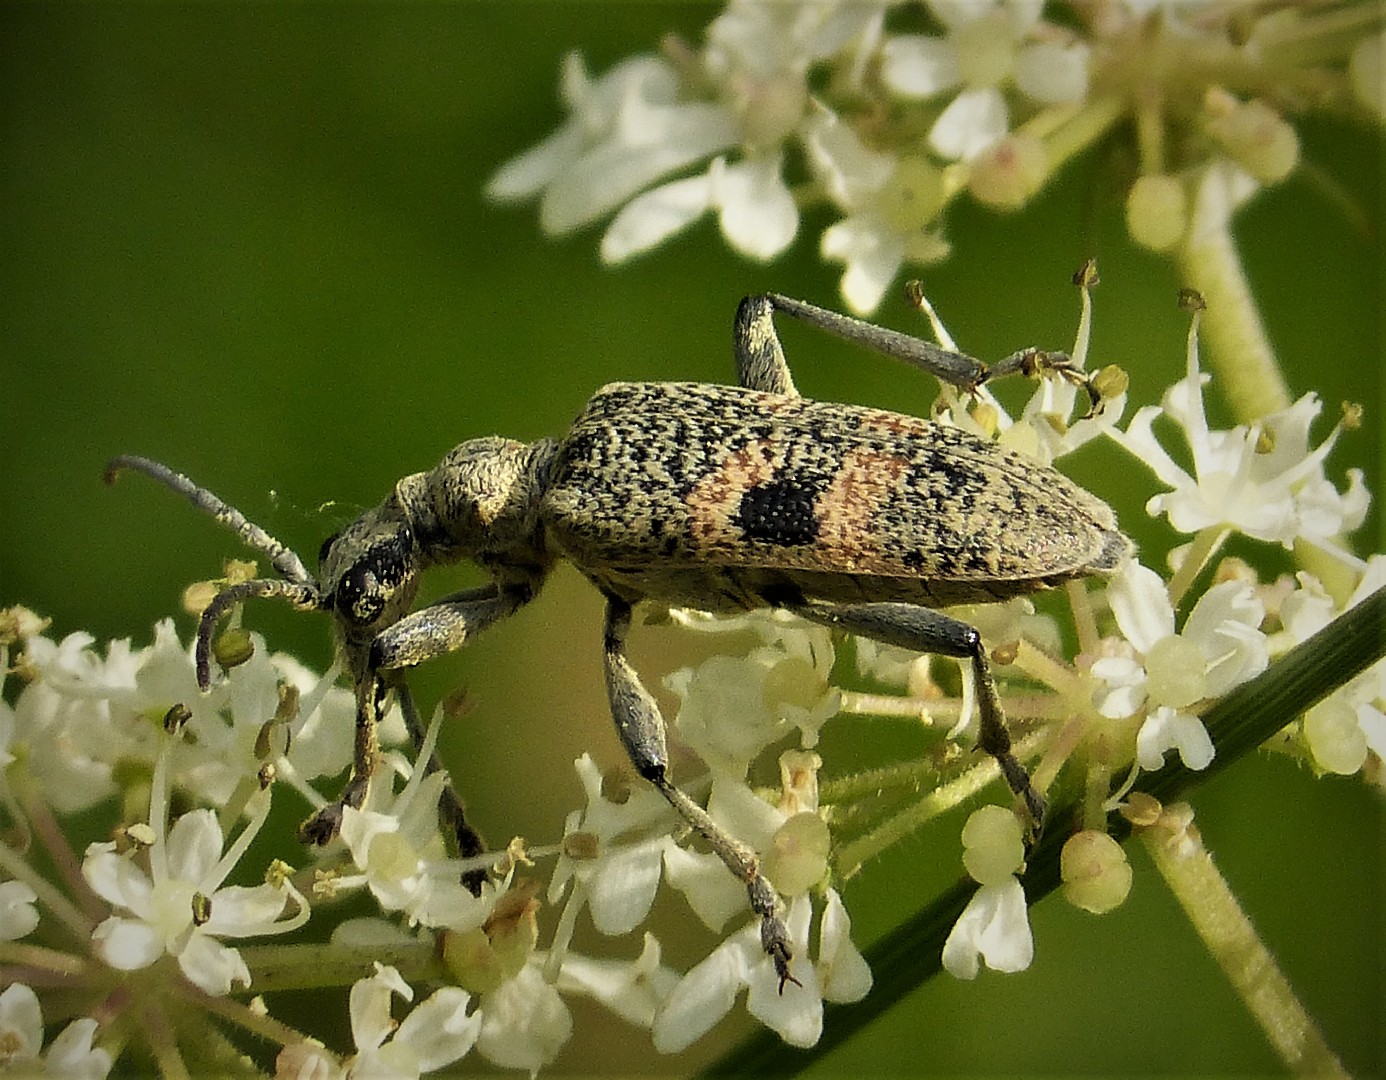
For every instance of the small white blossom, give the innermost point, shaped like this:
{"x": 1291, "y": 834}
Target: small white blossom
{"x": 400, "y": 854}
{"x": 84, "y": 713}
{"x": 985, "y": 48}
{"x": 995, "y": 928}
{"x": 1219, "y": 647}
{"x": 617, "y": 879}
{"x": 738, "y": 105}
{"x": 525, "y": 1023}
{"x": 890, "y": 205}
{"x": 995, "y": 925}
{"x": 735, "y": 707}
{"x": 627, "y": 130}
{"x": 1264, "y": 480}
{"x": 436, "y": 1032}
{"x": 18, "y": 915}
{"x": 633, "y": 990}
{"x": 70, "y": 1055}
{"x": 795, "y": 1011}
{"x": 180, "y": 905}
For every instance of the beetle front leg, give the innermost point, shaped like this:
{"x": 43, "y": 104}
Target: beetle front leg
{"x": 922, "y": 629}
{"x": 431, "y": 632}
{"x": 326, "y": 823}
{"x": 641, "y": 727}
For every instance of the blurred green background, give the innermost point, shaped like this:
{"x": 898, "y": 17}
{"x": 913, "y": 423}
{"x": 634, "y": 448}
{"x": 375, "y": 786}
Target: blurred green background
{"x": 250, "y": 242}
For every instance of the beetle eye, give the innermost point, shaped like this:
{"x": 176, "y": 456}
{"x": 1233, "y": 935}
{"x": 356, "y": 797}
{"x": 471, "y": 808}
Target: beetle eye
{"x": 369, "y": 585}
{"x": 327, "y": 546}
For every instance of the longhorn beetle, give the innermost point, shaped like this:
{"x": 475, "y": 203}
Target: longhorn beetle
{"x": 714, "y": 497}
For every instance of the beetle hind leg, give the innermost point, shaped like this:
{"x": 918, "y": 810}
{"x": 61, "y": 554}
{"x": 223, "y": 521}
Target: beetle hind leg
{"x": 641, "y": 727}
{"x": 922, "y": 629}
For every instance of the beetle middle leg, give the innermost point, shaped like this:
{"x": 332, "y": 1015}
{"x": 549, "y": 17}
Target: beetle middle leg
{"x": 922, "y": 629}
{"x": 641, "y": 727}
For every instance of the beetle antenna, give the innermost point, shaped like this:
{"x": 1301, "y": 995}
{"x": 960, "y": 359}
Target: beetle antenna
{"x": 284, "y": 559}
{"x": 305, "y": 597}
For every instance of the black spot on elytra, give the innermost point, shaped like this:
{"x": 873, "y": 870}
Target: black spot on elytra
{"x": 780, "y": 512}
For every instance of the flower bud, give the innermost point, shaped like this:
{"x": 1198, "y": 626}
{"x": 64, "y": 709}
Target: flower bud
{"x": 1157, "y": 212}
{"x": 1253, "y": 134}
{"x": 798, "y": 855}
{"x": 1006, "y": 174}
{"x": 233, "y": 648}
{"x": 993, "y": 847}
{"x": 1095, "y": 872}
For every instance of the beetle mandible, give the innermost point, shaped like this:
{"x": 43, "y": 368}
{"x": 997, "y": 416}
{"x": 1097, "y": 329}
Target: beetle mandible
{"x": 707, "y": 496}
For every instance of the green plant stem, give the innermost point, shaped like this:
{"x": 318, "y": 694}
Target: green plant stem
{"x": 298, "y": 967}
{"x": 911, "y": 953}
{"x": 1224, "y": 928}
{"x": 1239, "y": 351}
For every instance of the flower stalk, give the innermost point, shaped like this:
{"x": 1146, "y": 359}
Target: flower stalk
{"x": 1188, "y": 869}
{"x": 1239, "y": 348}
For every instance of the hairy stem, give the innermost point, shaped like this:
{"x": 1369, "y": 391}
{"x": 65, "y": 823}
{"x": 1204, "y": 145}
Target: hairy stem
{"x": 1223, "y": 926}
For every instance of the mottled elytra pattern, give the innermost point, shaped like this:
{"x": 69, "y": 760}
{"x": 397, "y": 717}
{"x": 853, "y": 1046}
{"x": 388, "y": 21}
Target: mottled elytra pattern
{"x": 682, "y": 474}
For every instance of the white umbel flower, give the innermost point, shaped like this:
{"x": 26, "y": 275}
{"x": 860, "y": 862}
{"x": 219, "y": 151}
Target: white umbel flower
{"x": 180, "y": 906}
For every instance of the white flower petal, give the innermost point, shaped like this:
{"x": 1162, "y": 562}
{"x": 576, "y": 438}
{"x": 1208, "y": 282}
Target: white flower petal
{"x": 1167, "y": 729}
{"x": 794, "y": 1014}
{"x": 438, "y": 1030}
{"x": 194, "y": 846}
{"x": 623, "y": 888}
{"x": 1228, "y": 601}
{"x": 21, "y": 1023}
{"x": 758, "y": 215}
{"x": 843, "y": 972}
{"x": 368, "y": 1005}
{"x": 18, "y": 915}
{"x": 1141, "y": 605}
{"x": 846, "y": 167}
{"x": 1053, "y": 73}
{"x": 241, "y": 911}
{"x": 703, "y": 996}
{"x": 873, "y": 253}
{"x": 212, "y": 966}
{"x": 973, "y": 121}
{"x": 116, "y": 879}
{"x": 671, "y": 138}
{"x": 994, "y": 927}
{"x": 127, "y": 944}
{"x": 527, "y": 174}
{"x": 632, "y": 990}
{"x": 1372, "y": 721}
{"x": 915, "y": 66}
{"x": 743, "y": 813}
{"x": 650, "y": 219}
{"x": 713, "y": 894}
{"x": 524, "y": 1023}
{"x": 71, "y": 1055}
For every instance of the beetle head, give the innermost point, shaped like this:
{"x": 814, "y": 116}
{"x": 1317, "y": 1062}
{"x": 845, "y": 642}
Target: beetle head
{"x": 369, "y": 570}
